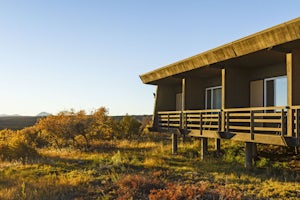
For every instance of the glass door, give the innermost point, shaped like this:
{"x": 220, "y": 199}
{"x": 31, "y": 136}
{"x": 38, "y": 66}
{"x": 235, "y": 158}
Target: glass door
{"x": 213, "y": 98}
{"x": 275, "y": 91}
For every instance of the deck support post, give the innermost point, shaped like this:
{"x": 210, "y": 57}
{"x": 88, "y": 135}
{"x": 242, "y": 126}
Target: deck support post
{"x": 289, "y": 73}
{"x": 217, "y": 145}
{"x": 223, "y": 102}
{"x": 183, "y": 94}
{"x": 174, "y": 143}
{"x": 204, "y": 148}
{"x": 183, "y": 139}
{"x": 254, "y": 151}
{"x": 293, "y": 96}
{"x": 248, "y": 155}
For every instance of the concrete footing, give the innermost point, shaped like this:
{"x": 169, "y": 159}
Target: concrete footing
{"x": 174, "y": 143}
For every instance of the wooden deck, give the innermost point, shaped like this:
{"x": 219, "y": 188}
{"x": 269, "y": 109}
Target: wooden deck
{"x": 268, "y": 125}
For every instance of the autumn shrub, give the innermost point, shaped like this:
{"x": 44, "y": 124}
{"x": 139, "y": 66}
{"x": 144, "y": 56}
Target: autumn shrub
{"x": 5, "y": 152}
{"x": 179, "y": 192}
{"x": 23, "y": 152}
{"x": 101, "y": 125}
{"x": 227, "y": 193}
{"x": 54, "y": 129}
{"x": 202, "y": 190}
{"x": 78, "y": 130}
{"x": 17, "y": 146}
{"x": 137, "y": 187}
{"x": 75, "y": 129}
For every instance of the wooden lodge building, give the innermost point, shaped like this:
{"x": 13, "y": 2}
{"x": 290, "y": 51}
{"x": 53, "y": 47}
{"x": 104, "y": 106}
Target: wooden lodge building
{"x": 247, "y": 90}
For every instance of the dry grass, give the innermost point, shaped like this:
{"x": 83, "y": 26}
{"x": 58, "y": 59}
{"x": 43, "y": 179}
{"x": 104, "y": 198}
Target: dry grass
{"x": 147, "y": 170}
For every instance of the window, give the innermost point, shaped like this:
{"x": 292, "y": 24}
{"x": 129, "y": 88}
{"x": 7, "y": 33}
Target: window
{"x": 213, "y": 98}
{"x": 275, "y": 91}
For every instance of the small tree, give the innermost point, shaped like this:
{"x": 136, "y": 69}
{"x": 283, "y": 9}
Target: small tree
{"x": 130, "y": 127}
{"x": 80, "y": 126}
{"x": 57, "y": 129}
{"x": 101, "y": 125}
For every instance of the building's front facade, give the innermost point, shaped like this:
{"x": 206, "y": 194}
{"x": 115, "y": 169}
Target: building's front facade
{"x": 247, "y": 90}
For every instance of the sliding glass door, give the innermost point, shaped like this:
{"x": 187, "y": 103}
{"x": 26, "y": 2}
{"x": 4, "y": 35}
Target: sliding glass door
{"x": 275, "y": 91}
{"x": 213, "y": 98}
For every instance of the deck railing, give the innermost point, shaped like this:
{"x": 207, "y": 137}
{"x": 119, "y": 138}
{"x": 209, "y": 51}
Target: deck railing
{"x": 169, "y": 119}
{"x": 262, "y": 120}
{"x": 202, "y": 120}
{"x": 265, "y": 120}
{"x": 296, "y": 122}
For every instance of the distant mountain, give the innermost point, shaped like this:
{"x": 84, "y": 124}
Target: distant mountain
{"x": 43, "y": 114}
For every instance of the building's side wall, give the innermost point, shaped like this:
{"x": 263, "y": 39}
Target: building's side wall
{"x": 237, "y": 87}
{"x": 267, "y": 72}
{"x": 195, "y": 91}
{"x": 165, "y": 100}
{"x": 166, "y": 97}
{"x": 237, "y": 82}
{"x": 193, "y": 94}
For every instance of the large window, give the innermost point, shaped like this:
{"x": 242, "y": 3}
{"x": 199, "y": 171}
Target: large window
{"x": 213, "y": 98}
{"x": 275, "y": 91}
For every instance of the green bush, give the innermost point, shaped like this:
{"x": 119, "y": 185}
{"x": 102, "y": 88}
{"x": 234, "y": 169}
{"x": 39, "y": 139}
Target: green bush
{"x": 235, "y": 153}
{"x": 263, "y": 162}
{"x": 129, "y": 127}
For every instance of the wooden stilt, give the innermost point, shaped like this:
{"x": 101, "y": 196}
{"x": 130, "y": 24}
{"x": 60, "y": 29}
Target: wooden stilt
{"x": 218, "y": 145}
{"x": 248, "y": 155}
{"x": 204, "y": 148}
{"x": 254, "y": 150}
{"x": 174, "y": 143}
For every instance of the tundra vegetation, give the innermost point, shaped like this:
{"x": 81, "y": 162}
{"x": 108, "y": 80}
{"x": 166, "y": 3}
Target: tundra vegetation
{"x": 77, "y": 156}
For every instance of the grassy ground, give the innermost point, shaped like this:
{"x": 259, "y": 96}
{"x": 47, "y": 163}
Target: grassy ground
{"x": 146, "y": 169}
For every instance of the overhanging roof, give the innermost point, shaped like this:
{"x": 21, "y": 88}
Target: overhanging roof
{"x": 274, "y": 36}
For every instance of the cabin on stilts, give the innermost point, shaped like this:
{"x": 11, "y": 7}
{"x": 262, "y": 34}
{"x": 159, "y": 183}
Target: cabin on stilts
{"x": 247, "y": 90}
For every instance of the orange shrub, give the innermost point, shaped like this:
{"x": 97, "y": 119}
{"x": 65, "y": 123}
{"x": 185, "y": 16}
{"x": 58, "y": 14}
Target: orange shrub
{"x": 137, "y": 187}
{"x": 178, "y": 192}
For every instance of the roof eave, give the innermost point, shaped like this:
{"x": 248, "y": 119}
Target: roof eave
{"x": 280, "y": 34}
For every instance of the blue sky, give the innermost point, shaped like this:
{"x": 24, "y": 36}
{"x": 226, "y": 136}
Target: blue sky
{"x": 62, "y": 54}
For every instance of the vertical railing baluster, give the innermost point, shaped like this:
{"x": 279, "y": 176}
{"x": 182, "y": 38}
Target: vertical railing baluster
{"x": 181, "y": 120}
{"x": 252, "y": 126}
{"x": 227, "y": 121}
{"x": 219, "y": 121}
{"x": 168, "y": 124}
{"x": 186, "y": 121}
{"x": 297, "y": 125}
{"x": 159, "y": 120}
{"x": 282, "y": 123}
{"x": 201, "y": 123}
